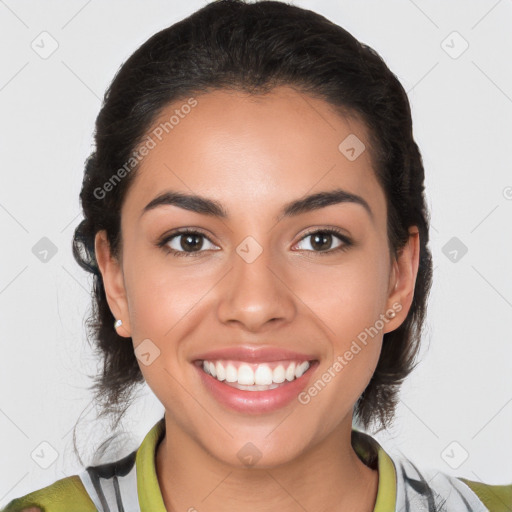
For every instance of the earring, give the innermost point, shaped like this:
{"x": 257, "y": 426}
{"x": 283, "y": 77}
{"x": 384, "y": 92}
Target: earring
{"x": 118, "y": 323}
{"x": 392, "y": 314}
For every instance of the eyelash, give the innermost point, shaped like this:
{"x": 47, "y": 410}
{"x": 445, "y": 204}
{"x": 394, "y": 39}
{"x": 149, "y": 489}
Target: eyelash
{"x": 162, "y": 243}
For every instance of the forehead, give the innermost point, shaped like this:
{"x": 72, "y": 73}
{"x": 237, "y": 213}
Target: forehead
{"x": 245, "y": 150}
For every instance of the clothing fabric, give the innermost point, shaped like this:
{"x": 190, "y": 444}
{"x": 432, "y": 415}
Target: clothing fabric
{"x": 131, "y": 485}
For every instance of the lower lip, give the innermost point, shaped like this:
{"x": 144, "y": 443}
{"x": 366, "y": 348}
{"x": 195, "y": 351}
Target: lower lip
{"x": 256, "y": 402}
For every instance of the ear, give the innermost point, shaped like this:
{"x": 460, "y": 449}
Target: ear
{"x": 113, "y": 281}
{"x": 403, "y": 280}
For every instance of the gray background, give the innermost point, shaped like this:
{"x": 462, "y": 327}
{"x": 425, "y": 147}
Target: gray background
{"x": 455, "y": 412}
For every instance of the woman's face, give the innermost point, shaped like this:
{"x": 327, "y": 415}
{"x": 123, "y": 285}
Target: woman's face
{"x": 261, "y": 289}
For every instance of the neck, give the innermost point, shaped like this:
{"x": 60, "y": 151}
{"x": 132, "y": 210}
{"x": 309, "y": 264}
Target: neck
{"x": 329, "y": 477}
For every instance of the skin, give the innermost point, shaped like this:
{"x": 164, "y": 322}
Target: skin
{"x": 253, "y": 155}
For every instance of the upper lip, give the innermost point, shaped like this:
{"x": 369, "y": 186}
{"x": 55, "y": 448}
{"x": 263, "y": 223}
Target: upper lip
{"x": 253, "y": 354}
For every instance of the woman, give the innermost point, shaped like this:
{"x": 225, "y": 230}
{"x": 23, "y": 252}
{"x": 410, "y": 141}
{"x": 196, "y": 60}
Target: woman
{"x": 255, "y": 221}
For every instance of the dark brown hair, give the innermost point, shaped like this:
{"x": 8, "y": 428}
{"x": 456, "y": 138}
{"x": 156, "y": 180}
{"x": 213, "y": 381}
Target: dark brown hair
{"x": 253, "y": 47}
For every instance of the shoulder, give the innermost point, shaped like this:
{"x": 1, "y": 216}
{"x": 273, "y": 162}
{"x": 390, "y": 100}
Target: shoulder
{"x": 432, "y": 489}
{"x": 62, "y": 496}
{"x": 101, "y": 487}
{"x": 497, "y": 498}
{"x": 402, "y": 486}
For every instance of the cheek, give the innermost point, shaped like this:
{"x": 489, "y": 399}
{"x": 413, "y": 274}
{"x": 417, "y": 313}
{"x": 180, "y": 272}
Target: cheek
{"x": 349, "y": 300}
{"x": 347, "y": 297}
{"x": 161, "y": 294}
{"x": 349, "y": 308}
{"x": 162, "y": 301}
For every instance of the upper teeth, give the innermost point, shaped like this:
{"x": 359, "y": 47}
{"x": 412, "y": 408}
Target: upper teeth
{"x": 258, "y": 374}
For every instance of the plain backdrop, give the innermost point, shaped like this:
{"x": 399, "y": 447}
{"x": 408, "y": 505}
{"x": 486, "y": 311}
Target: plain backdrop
{"x": 454, "y": 60}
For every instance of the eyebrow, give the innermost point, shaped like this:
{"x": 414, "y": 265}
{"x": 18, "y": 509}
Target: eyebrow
{"x": 211, "y": 207}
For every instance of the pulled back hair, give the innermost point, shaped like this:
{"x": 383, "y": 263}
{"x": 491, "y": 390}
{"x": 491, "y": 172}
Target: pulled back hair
{"x": 254, "y": 47}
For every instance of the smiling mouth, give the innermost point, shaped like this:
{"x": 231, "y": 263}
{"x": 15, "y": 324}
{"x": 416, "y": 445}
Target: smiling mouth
{"x": 248, "y": 376}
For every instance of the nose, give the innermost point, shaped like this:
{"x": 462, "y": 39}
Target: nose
{"x": 255, "y": 293}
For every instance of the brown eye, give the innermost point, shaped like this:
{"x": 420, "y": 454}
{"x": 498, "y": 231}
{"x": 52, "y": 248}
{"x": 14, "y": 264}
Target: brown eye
{"x": 321, "y": 241}
{"x": 186, "y": 243}
{"x": 191, "y": 242}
